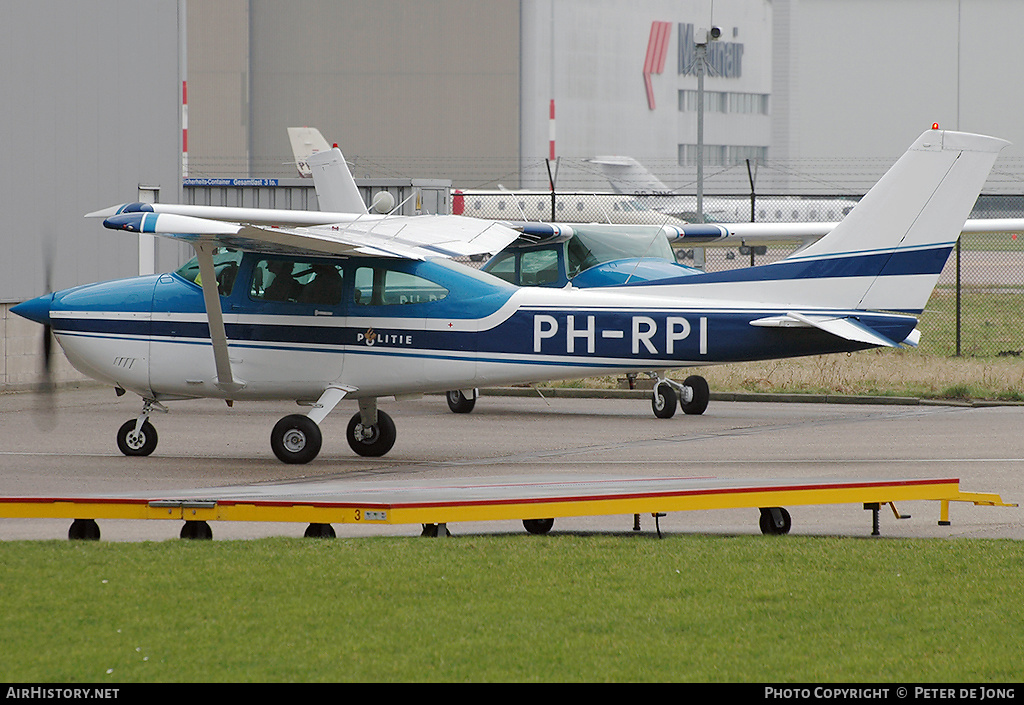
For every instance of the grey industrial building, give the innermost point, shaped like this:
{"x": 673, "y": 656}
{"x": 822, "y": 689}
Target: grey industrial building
{"x": 108, "y": 101}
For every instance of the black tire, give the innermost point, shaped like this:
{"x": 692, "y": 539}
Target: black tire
{"x": 663, "y": 402}
{"x": 458, "y": 402}
{"x": 701, "y": 395}
{"x": 772, "y": 526}
{"x": 320, "y": 531}
{"x": 84, "y": 530}
{"x": 296, "y": 439}
{"x": 198, "y": 530}
{"x": 432, "y": 530}
{"x": 130, "y": 443}
{"x": 538, "y": 526}
{"x": 380, "y": 439}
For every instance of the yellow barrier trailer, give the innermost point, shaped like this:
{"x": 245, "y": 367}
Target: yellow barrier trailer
{"x": 537, "y": 502}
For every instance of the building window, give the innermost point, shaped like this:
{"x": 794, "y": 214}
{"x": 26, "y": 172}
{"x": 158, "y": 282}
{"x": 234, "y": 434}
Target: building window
{"x": 721, "y": 155}
{"x": 723, "y": 102}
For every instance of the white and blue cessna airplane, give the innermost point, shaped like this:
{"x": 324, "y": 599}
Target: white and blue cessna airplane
{"x": 318, "y": 307}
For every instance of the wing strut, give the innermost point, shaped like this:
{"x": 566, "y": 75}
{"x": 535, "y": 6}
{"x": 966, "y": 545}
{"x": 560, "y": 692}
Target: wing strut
{"x": 218, "y": 334}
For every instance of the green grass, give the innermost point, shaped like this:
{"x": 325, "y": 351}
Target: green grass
{"x": 992, "y": 242}
{"x": 992, "y": 323}
{"x": 514, "y": 608}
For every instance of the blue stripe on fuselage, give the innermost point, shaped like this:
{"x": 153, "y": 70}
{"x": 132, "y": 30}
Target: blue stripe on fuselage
{"x": 626, "y": 338}
{"x": 890, "y": 263}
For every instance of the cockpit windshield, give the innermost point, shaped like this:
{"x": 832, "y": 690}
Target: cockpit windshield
{"x": 590, "y": 247}
{"x": 225, "y": 263}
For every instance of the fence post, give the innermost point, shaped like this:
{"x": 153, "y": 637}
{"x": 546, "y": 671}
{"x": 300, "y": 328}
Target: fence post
{"x": 551, "y": 181}
{"x": 958, "y": 296}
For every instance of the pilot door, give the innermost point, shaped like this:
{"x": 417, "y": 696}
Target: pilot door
{"x": 284, "y": 318}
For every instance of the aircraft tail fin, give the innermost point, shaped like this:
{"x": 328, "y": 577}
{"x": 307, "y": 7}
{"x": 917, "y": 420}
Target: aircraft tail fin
{"x": 306, "y": 141}
{"x": 887, "y": 254}
{"x": 336, "y": 190}
{"x": 628, "y": 176}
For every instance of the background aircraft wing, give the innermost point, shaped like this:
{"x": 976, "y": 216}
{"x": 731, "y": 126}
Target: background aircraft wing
{"x": 413, "y": 237}
{"x": 728, "y": 234}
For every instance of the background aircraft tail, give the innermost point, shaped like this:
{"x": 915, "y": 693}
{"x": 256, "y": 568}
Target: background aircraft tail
{"x": 336, "y": 190}
{"x": 306, "y": 141}
{"x": 628, "y": 176}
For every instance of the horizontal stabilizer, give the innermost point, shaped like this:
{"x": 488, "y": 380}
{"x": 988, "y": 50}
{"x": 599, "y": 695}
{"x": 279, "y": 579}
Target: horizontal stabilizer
{"x": 840, "y": 326}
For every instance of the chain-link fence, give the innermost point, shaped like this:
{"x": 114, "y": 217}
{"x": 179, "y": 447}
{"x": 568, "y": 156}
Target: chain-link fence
{"x": 977, "y": 308}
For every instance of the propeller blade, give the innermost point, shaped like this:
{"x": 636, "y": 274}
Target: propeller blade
{"x": 46, "y": 416}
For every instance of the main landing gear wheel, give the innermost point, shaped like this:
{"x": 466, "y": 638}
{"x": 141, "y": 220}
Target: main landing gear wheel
{"x": 775, "y": 521}
{"x": 458, "y": 402}
{"x": 371, "y": 441}
{"x": 663, "y": 402}
{"x": 296, "y": 439}
{"x": 131, "y": 443}
{"x": 701, "y": 394}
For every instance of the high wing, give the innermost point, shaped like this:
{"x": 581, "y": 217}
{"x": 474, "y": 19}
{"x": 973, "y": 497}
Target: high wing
{"x": 432, "y": 236}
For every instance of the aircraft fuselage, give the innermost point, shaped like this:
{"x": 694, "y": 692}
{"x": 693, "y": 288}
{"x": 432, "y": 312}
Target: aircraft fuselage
{"x": 399, "y": 327}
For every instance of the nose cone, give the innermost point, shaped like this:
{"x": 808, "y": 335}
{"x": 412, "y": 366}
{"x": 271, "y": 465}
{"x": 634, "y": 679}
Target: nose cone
{"x": 37, "y": 309}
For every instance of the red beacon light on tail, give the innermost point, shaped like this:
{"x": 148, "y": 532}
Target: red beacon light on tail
{"x": 935, "y": 125}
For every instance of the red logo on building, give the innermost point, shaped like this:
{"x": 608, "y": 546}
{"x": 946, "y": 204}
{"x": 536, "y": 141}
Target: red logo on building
{"x": 657, "y": 51}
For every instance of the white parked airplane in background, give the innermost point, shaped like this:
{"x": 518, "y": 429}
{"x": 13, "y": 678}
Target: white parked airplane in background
{"x": 629, "y": 177}
{"x": 502, "y": 203}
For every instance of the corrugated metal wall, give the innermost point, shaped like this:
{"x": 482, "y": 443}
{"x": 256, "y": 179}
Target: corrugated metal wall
{"x": 391, "y": 80}
{"x": 90, "y": 111}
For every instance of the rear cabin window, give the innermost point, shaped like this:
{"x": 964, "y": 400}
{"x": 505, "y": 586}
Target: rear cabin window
{"x": 288, "y": 281}
{"x": 378, "y": 286}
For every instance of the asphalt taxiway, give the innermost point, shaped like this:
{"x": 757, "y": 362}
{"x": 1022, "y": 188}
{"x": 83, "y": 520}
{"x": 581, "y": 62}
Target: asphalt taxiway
{"x": 64, "y": 446}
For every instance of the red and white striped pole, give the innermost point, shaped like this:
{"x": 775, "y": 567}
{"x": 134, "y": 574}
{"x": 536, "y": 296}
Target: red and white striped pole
{"x": 551, "y": 131}
{"x": 184, "y": 129}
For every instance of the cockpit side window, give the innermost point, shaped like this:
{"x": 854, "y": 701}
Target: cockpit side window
{"x": 379, "y": 286}
{"x": 289, "y": 281}
{"x": 225, "y": 263}
{"x": 504, "y": 266}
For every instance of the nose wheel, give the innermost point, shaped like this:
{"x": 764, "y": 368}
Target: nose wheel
{"x": 137, "y": 437}
{"x": 136, "y": 443}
